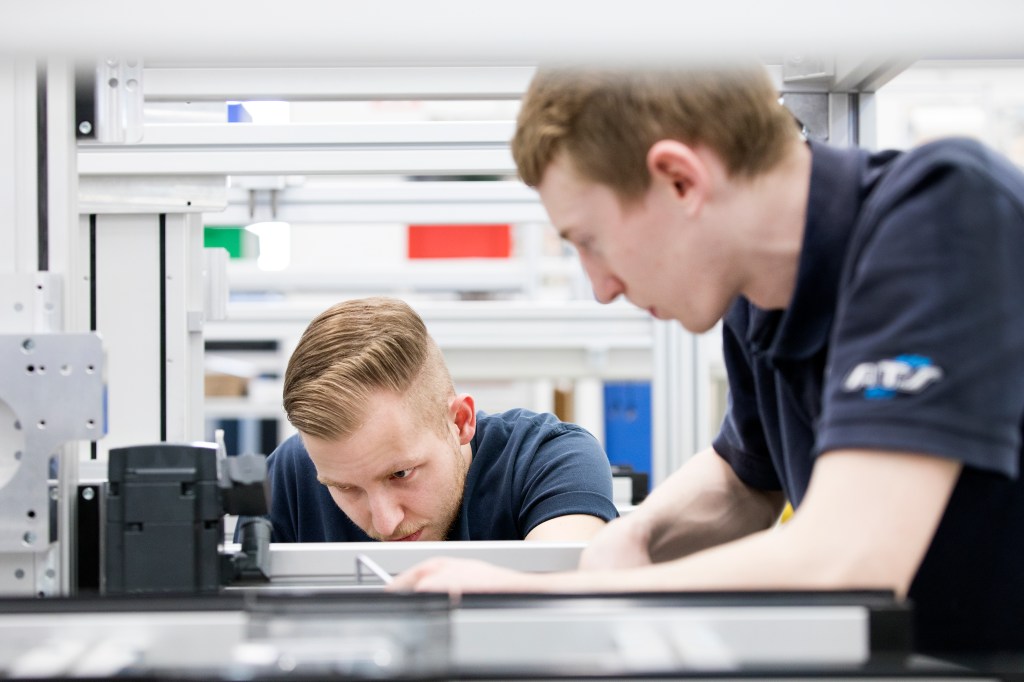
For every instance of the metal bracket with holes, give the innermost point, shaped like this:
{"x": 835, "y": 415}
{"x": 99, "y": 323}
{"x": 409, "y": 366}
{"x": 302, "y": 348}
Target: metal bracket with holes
{"x": 51, "y": 393}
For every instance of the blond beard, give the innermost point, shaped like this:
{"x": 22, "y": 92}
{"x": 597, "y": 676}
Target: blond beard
{"x": 454, "y": 501}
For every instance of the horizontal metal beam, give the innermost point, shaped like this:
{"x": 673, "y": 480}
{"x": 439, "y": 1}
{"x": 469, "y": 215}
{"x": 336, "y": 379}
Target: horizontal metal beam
{"x": 263, "y": 635}
{"x": 293, "y": 84}
{"x": 325, "y": 563}
{"x": 419, "y": 275}
{"x": 460, "y": 32}
{"x": 469, "y": 323}
{"x": 434, "y": 148}
{"x": 483, "y": 340}
{"x": 866, "y": 75}
{"x": 450, "y": 202}
{"x": 299, "y": 135}
{"x": 320, "y": 162}
{"x": 151, "y": 194}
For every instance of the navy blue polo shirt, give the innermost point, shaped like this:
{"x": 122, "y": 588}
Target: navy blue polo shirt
{"x": 527, "y": 468}
{"x": 905, "y": 333}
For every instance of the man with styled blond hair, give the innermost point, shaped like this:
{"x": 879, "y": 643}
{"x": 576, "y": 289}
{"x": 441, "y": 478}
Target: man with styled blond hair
{"x": 387, "y": 450}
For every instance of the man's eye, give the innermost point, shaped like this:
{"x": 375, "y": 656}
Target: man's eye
{"x": 404, "y": 473}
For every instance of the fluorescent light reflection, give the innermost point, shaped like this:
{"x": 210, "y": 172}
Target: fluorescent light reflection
{"x": 275, "y": 244}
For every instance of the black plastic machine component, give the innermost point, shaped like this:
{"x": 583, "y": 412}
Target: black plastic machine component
{"x": 164, "y": 518}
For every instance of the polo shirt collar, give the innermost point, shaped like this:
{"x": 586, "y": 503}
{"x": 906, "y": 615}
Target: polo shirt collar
{"x": 803, "y": 328}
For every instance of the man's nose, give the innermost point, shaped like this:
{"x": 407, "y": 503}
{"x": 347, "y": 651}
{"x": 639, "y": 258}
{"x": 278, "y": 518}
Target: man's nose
{"x": 386, "y": 514}
{"x": 607, "y": 287}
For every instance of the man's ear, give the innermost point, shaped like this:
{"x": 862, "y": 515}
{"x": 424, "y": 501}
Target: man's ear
{"x": 462, "y": 411}
{"x": 680, "y": 169}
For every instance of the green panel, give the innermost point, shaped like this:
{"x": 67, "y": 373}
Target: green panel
{"x": 228, "y": 237}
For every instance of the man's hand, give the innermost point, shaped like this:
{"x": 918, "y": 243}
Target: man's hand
{"x": 623, "y": 543}
{"x": 458, "y": 576}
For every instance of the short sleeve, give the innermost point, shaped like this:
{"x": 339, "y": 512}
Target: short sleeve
{"x": 567, "y": 473}
{"x": 928, "y": 343}
{"x": 741, "y": 439}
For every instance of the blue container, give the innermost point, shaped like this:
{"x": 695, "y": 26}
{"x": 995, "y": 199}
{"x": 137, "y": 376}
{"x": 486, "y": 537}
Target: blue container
{"x": 627, "y": 424}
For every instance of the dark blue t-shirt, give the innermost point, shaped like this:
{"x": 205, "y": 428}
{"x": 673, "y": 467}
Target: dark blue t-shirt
{"x": 905, "y": 333}
{"x": 527, "y": 468}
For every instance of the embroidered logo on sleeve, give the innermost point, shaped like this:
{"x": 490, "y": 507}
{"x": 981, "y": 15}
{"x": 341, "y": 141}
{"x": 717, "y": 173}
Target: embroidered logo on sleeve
{"x": 882, "y": 380}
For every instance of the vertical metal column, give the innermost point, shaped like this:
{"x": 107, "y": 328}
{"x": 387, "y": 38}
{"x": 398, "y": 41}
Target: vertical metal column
{"x": 18, "y": 169}
{"x": 62, "y": 257}
{"x": 183, "y": 326}
{"x": 38, "y": 255}
{"x": 675, "y": 428}
{"x": 150, "y": 301}
{"x": 128, "y": 305}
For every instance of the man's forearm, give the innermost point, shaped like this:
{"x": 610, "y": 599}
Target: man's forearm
{"x": 834, "y": 541}
{"x": 701, "y": 505}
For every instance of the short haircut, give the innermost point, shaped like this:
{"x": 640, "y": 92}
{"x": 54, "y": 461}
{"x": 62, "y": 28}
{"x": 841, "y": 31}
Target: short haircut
{"x": 355, "y": 350}
{"x": 606, "y": 120}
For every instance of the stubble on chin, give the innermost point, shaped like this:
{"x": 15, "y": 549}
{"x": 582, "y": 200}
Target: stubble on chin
{"x": 454, "y": 502}
{"x": 449, "y": 516}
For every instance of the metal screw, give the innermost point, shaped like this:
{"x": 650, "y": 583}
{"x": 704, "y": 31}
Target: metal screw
{"x": 85, "y": 127}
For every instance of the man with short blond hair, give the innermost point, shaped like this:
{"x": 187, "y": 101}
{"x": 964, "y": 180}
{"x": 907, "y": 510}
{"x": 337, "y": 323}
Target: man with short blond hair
{"x": 387, "y": 450}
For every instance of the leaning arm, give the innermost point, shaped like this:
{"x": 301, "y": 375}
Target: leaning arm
{"x": 704, "y": 504}
{"x": 701, "y": 505}
{"x": 866, "y": 522}
{"x": 568, "y": 528}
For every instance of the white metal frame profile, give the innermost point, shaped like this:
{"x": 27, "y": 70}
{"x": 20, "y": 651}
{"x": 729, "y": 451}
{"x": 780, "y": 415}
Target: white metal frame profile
{"x": 41, "y": 282}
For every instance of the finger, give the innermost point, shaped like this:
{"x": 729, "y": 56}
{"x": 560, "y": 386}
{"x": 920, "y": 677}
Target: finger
{"x": 439, "y": 583}
{"x": 407, "y": 580}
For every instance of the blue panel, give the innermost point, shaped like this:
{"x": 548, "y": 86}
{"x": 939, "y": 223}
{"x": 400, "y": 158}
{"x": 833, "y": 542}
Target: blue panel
{"x": 627, "y": 424}
{"x": 231, "y": 435}
{"x": 237, "y": 113}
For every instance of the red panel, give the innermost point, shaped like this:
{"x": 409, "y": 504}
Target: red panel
{"x": 460, "y": 241}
